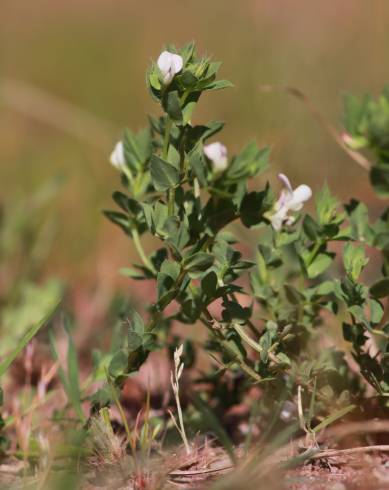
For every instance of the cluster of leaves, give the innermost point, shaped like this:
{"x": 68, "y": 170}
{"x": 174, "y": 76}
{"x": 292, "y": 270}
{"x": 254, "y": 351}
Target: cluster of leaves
{"x": 295, "y": 281}
{"x": 176, "y": 195}
{"x": 366, "y": 121}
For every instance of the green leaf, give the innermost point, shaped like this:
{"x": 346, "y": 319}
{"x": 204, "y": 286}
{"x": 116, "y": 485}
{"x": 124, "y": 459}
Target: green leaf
{"x": 173, "y": 157}
{"x": 196, "y": 135}
{"x": 209, "y": 284}
{"x": 198, "y": 262}
{"x": 326, "y": 207}
{"x": 165, "y": 285}
{"x": 254, "y": 205}
{"x": 379, "y": 178}
{"x": 250, "y": 161}
{"x": 234, "y": 312}
{"x": 153, "y": 78}
{"x": 171, "y": 104}
{"x": 188, "y": 79}
{"x": 163, "y": 174}
{"x": 218, "y": 85}
{"x": 171, "y": 269}
{"x": 325, "y": 288}
{"x": 319, "y": 265}
{"x": 130, "y": 206}
{"x": 381, "y": 288}
{"x": 354, "y": 260}
{"x": 159, "y": 217}
{"x": 177, "y": 232}
{"x": 131, "y": 150}
{"x": 118, "y": 367}
{"x": 135, "y": 331}
{"x": 132, "y": 273}
{"x": 376, "y": 311}
{"x": 189, "y": 107}
{"x": 293, "y": 295}
{"x": 355, "y": 110}
{"x": 311, "y": 228}
{"x": 197, "y": 164}
{"x": 119, "y": 219}
{"x": 359, "y": 219}
{"x": 187, "y": 52}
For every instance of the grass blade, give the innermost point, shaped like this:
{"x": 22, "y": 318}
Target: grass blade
{"x": 335, "y": 416}
{"x": 27, "y": 337}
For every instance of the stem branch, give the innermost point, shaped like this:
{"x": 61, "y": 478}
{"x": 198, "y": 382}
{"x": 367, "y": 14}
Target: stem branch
{"x": 141, "y": 252}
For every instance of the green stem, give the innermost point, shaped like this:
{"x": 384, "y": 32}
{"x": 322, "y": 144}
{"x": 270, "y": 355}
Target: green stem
{"x": 208, "y": 322}
{"x": 127, "y": 172}
{"x": 254, "y": 345}
{"x": 249, "y": 323}
{"x": 166, "y": 138}
{"x": 165, "y": 151}
{"x": 243, "y": 335}
{"x": 141, "y": 252}
{"x": 171, "y": 195}
{"x": 314, "y": 252}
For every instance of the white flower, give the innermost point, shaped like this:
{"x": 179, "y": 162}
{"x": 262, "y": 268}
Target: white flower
{"x": 117, "y": 157}
{"x": 289, "y": 200}
{"x": 217, "y": 153}
{"x": 169, "y": 64}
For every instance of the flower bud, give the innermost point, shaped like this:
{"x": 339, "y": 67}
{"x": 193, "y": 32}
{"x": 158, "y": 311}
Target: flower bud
{"x": 217, "y": 154}
{"x": 169, "y": 65}
{"x": 117, "y": 158}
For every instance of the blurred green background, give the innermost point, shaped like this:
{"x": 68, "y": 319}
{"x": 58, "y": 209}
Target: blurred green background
{"x": 72, "y": 75}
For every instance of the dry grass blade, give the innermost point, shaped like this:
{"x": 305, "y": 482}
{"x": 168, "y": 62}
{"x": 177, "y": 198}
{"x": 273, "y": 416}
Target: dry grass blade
{"x": 295, "y": 92}
{"x": 354, "y": 450}
{"x": 37, "y": 104}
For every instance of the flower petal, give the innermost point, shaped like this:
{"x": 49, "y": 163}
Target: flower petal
{"x": 300, "y": 195}
{"x": 169, "y": 64}
{"x": 217, "y": 153}
{"x": 284, "y": 179}
{"x": 164, "y": 61}
{"x": 117, "y": 157}
{"x": 277, "y": 219}
{"x": 177, "y": 63}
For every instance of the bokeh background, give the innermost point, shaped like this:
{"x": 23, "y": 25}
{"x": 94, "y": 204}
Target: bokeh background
{"x": 72, "y": 76}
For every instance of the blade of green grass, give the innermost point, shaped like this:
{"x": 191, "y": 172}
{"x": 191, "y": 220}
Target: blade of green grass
{"x": 67, "y": 380}
{"x": 27, "y": 337}
{"x": 335, "y": 416}
{"x": 73, "y": 374}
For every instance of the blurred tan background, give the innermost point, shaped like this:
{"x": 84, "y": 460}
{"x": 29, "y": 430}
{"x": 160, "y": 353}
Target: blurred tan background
{"x": 72, "y": 75}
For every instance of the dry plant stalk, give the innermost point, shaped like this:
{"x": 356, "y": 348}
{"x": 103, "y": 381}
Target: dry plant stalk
{"x": 174, "y": 379}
